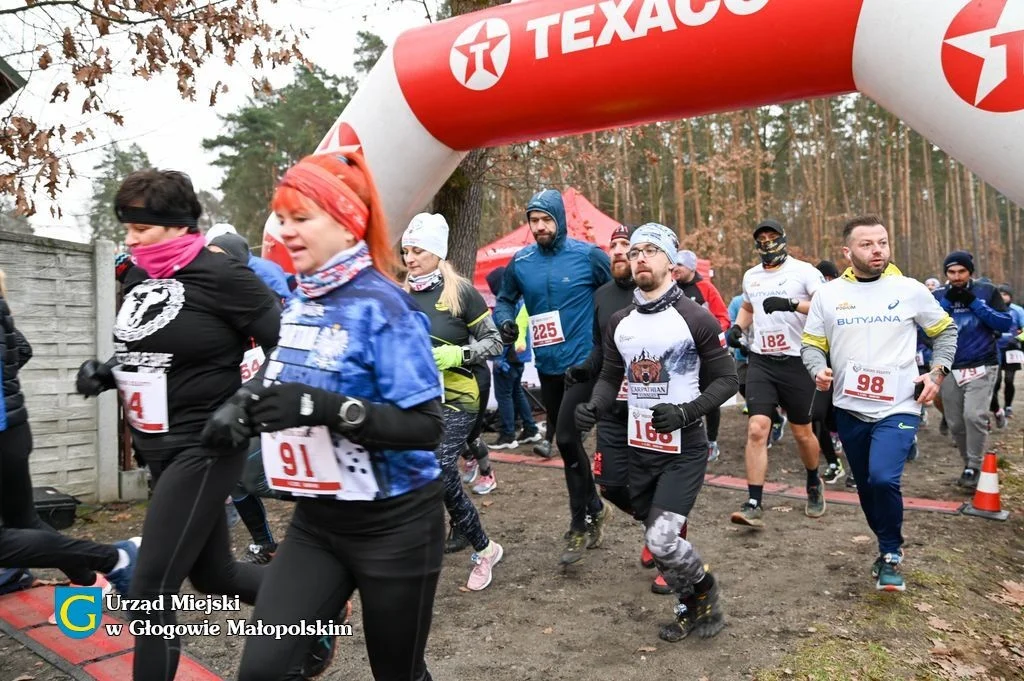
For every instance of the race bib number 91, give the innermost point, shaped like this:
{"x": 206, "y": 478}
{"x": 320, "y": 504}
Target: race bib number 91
{"x": 642, "y": 434}
{"x": 301, "y": 460}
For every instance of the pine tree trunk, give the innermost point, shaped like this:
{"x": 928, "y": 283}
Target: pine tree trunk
{"x": 694, "y": 181}
{"x": 460, "y": 201}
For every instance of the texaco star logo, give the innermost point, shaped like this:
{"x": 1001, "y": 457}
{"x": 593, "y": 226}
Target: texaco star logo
{"x": 480, "y": 54}
{"x": 983, "y": 55}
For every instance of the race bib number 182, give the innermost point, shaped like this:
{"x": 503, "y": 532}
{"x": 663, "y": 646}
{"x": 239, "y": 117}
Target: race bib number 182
{"x": 773, "y": 341}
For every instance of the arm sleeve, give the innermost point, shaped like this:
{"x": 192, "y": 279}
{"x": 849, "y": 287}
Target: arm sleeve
{"x": 421, "y": 426}
{"x": 716, "y": 306}
{"x": 248, "y": 304}
{"x": 814, "y": 358}
{"x": 485, "y": 342}
{"x": 814, "y": 329}
{"x": 992, "y": 313}
{"x": 595, "y": 359}
{"x": 612, "y": 368}
{"x": 718, "y": 380}
{"x": 508, "y": 295}
{"x": 600, "y": 266}
{"x": 944, "y": 346}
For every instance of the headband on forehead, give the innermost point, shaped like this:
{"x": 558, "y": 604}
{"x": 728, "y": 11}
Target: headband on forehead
{"x": 144, "y": 216}
{"x": 330, "y": 193}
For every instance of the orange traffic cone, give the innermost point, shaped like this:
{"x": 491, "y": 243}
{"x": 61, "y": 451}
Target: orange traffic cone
{"x": 986, "y": 502}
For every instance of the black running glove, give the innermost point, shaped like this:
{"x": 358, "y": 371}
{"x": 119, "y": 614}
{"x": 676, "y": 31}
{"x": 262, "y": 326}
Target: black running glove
{"x": 586, "y": 416}
{"x": 669, "y": 417}
{"x": 960, "y": 294}
{"x": 509, "y": 331}
{"x": 734, "y": 336}
{"x": 229, "y": 427}
{"x": 293, "y": 405}
{"x": 577, "y": 374}
{"x": 94, "y": 377}
{"x": 779, "y": 304}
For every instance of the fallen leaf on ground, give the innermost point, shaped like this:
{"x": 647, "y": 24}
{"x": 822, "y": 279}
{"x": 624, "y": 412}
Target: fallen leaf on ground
{"x": 837, "y": 553}
{"x": 940, "y": 624}
{"x": 25, "y": 677}
{"x": 486, "y": 503}
{"x": 923, "y": 607}
{"x": 861, "y": 539}
{"x": 464, "y": 589}
{"x": 645, "y": 649}
{"x": 120, "y": 517}
{"x": 1014, "y": 594}
{"x": 549, "y": 630}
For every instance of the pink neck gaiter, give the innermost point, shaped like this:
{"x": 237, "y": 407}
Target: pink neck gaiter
{"x": 162, "y": 260}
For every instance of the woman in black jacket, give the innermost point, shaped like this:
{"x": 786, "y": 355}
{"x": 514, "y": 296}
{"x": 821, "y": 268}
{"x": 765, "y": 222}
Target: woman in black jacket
{"x": 25, "y": 540}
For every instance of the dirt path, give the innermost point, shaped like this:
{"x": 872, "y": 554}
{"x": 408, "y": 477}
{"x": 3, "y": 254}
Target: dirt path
{"x": 799, "y": 599}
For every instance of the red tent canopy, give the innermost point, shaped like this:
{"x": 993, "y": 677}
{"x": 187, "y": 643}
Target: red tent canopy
{"x": 585, "y": 222}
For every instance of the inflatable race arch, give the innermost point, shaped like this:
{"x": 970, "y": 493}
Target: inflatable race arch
{"x": 951, "y": 69}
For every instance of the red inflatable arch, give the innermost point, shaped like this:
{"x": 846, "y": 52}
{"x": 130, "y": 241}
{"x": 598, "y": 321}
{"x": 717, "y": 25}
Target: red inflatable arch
{"x": 952, "y": 69}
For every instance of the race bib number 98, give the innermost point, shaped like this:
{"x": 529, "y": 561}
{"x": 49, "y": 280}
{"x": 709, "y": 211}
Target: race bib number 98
{"x": 868, "y": 383}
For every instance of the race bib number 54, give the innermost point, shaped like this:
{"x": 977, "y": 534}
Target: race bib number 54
{"x": 546, "y": 329}
{"x": 642, "y": 434}
{"x": 144, "y": 397}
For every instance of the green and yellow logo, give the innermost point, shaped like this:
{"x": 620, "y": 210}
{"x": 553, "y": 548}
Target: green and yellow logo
{"x": 79, "y": 610}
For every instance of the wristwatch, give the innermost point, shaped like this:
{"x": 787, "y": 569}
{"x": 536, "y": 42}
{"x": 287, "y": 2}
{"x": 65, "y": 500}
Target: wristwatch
{"x": 352, "y": 412}
{"x": 467, "y": 356}
{"x": 940, "y": 369}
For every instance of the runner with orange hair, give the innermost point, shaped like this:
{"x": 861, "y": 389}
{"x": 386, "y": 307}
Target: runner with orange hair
{"x": 350, "y": 416}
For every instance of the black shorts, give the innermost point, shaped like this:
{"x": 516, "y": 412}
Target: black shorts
{"x": 741, "y": 374}
{"x": 611, "y": 460}
{"x": 670, "y": 482}
{"x": 784, "y": 382}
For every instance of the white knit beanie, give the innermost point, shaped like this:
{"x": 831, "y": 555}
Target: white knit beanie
{"x": 429, "y": 232}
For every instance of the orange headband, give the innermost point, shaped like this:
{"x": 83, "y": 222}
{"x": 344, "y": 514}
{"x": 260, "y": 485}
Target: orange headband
{"x": 330, "y": 193}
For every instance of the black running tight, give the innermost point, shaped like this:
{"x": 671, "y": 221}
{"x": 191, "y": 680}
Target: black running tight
{"x": 185, "y": 534}
{"x": 25, "y": 540}
{"x": 1008, "y": 391}
{"x": 560, "y": 403}
{"x": 393, "y": 562}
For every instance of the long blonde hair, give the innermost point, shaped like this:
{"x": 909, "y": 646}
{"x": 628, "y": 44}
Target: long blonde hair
{"x": 453, "y": 286}
{"x": 450, "y": 290}
{"x": 3, "y": 284}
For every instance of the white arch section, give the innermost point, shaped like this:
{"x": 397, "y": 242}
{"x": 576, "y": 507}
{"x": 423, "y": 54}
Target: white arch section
{"x": 952, "y": 69}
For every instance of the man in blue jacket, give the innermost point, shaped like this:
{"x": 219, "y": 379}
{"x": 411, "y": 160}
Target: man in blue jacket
{"x": 980, "y": 315}
{"x": 556, "y": 279}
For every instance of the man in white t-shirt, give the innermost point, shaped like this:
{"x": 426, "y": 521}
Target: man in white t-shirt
{"x": 861, "y": 337}
{"x": 776, "y": 297}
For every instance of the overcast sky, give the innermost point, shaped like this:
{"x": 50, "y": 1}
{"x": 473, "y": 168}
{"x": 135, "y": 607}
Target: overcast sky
{"x": 170, "y": 129}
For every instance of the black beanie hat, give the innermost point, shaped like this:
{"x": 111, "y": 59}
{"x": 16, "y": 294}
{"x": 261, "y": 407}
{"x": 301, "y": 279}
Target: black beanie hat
{"x": 828, "y": 269}
{"x": 962, "y": 258}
